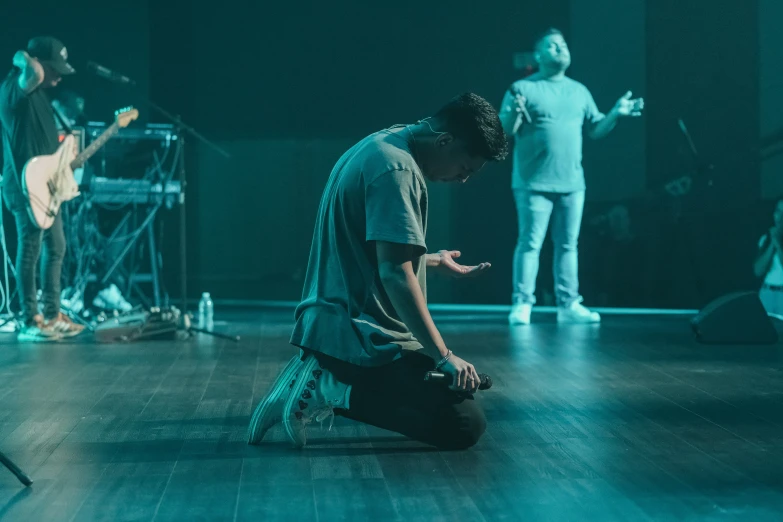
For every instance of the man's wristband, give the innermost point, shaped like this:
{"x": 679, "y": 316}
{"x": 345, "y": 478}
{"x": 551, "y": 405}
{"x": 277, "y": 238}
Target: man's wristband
{"x": 443, "y": 361}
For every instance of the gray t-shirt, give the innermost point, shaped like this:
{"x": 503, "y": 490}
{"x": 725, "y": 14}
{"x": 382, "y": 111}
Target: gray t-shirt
{"x": 548, "y": 151}
{"x": 376, "y": 192}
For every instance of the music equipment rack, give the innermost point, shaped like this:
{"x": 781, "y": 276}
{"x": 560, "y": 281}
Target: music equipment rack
{"x": 149, "y": 189}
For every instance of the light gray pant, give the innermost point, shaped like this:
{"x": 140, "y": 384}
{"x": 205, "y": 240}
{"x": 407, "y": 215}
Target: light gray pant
{"x": 534, "y": 210}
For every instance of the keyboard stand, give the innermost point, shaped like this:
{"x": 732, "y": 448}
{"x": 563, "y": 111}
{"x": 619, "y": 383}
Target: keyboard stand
{"x": 149, "y": 230}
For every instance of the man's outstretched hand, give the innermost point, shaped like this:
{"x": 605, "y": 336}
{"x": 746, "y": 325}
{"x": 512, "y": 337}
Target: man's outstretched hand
{"x": 444, "y": 263}
{"x": 627, "y": 107}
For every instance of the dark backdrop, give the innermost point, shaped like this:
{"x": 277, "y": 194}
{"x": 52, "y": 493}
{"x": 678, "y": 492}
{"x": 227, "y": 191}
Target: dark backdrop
{"x": 703, "y": 69}
{"x": 287, "y": 87}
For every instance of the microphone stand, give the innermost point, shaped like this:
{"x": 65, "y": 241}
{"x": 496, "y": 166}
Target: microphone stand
{"x": 18, "y": 473}
{"x": 180, "y": 126}
{"x": 701, "y": 169}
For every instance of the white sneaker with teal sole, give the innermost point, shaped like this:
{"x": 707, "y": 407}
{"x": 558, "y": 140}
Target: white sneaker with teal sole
{"x": 270, "y": 410}
{"x": 314, "y": 396}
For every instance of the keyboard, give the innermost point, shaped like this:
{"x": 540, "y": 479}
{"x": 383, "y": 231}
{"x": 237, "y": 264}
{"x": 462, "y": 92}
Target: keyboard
{"x": 139, "y": 191}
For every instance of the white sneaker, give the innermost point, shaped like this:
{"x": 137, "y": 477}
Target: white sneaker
{"x": 314, "y": 396}
{"x": 270, "y": 410}
{"x": 110, "y": 298}
{"x": 71, "y": 301}
{"x": 520, "y": 313}
{"x": 576, "y": 313}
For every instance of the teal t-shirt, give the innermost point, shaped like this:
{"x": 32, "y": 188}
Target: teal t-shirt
{"x": 548, "y": 150}
{"x": 376, "y": 192}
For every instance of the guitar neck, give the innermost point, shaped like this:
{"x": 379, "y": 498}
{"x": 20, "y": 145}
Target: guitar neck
{"x": 99, "y": 142}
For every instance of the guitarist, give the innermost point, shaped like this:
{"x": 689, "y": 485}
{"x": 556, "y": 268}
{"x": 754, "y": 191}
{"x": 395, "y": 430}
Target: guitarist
{"x": 29, "y": 129}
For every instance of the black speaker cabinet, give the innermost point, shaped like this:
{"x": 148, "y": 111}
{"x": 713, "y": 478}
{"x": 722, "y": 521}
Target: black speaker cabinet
{"x": 737, "y": 318}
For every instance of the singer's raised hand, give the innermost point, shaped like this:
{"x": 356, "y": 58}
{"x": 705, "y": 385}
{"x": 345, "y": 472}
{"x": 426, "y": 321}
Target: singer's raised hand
{"x": 775, "y": 237}
{"x": 519, "y": 103}
{"x": 625, "y": 106}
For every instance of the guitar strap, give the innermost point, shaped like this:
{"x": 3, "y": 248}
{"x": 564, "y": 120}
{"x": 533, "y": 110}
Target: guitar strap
{"x": 63, "y": 121}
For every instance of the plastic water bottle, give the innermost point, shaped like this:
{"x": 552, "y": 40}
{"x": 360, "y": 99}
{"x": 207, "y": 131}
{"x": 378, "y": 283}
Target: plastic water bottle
{"x": 206, "y": 312}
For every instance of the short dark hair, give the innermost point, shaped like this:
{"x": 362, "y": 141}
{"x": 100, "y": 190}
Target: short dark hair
{"x": 546, "y": 32}
{"x": 472, "y": 119}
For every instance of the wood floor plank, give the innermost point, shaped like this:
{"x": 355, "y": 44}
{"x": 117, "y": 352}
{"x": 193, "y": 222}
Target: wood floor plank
{"x": 201, "y": 489}
{"x": 353, "y": 500}
{"x": 629, "y": 420}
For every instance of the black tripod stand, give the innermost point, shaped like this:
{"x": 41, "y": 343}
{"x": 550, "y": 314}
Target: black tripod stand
{"x": 13, "y": 468}
{"x": 702, "y": 175}
{"x": 180, "y": 127}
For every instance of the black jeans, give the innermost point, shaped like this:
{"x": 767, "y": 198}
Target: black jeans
{"x": 30, "y": 239}
{"x": 396, "y": 397}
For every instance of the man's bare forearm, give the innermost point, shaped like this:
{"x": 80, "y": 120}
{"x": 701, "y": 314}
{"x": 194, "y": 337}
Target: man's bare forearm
{"x": 432, "y": 260}
{"x": 32, "y": 71}
{"x": 605, "y": 126}
{"x": 20, "y": 59}
{"x": 402, "y": 287}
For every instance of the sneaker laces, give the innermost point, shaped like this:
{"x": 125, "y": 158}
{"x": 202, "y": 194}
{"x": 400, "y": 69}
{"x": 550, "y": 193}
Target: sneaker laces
{"x": 320, "y": 407}
{"x": 318, "y": 415}
{"x": 327, "y": 412}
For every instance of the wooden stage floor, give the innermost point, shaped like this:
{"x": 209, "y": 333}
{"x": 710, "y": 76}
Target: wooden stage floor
{"x": 630, "y": 420}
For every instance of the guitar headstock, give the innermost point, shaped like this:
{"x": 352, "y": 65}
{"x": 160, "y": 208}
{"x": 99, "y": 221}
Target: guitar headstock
{"x": 125, "y": 116}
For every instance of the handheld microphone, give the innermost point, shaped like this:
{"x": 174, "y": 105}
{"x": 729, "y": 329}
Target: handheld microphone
{"x": 108, "y": 74}
{"x": 525, "y": 114}
{"x": 485, "y": 381}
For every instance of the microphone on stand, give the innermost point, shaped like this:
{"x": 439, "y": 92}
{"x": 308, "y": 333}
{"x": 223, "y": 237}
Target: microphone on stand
{"x": 687, "y": 134}
{"x": 485, "y": 381}
{"x": 108, "y": 74}
{"x": 701, "y": 167}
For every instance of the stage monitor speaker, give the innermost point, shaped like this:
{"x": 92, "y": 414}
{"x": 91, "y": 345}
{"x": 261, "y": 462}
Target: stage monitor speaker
{"x": 737, "y": 318}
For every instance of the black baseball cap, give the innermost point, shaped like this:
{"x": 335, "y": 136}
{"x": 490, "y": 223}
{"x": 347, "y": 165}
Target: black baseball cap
{"x": 51, "y": 51}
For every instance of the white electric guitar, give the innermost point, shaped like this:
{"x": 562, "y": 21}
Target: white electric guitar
{"x": 48, "y": 181}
